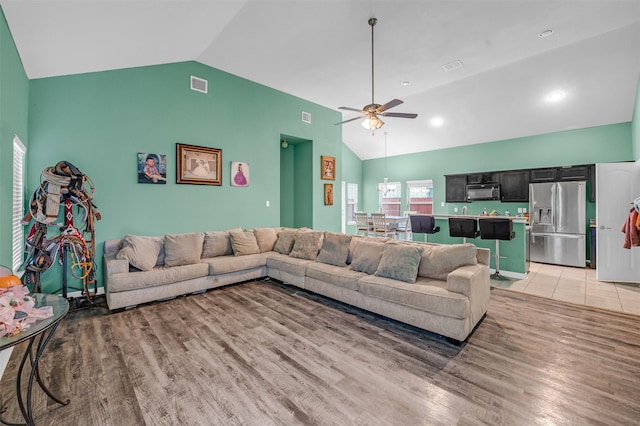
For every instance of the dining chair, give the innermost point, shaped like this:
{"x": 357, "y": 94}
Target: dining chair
{"x": 404, "y": 225}
{"x": 381, "y": 226}
{"x": 362, "y": 224}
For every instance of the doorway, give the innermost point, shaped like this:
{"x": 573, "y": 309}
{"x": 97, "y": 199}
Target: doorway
{"x": 296, "y": 182}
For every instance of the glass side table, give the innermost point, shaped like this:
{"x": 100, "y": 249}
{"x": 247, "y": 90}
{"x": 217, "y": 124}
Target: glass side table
{"x": 42, "y": 331}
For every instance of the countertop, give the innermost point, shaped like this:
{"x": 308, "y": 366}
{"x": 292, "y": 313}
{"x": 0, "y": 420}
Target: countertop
{"x": 515, "y": 219}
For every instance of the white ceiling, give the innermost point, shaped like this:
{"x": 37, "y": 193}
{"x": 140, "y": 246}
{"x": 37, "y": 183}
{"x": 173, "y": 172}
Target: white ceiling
{"x": 321, "y": 51}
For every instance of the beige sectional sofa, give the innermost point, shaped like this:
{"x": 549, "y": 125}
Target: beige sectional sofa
{"x": 440, "y": 288}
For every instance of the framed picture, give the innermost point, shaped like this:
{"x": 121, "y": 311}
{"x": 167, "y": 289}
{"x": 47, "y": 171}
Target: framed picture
{"x": 328, "y": 168}
{"x": 152, "y": 168}
{"x": 328, "y": 194}
{"x": 198, "y": 165}
{"x": 240, "y": 173}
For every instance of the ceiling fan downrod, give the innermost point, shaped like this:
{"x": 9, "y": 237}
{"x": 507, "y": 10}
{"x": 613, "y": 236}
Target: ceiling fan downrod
{"x": 372, "y": 23}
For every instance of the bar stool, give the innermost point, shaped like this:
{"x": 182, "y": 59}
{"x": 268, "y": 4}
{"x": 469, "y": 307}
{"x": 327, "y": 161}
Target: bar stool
{"x": 497, "y": 229}
{"x": 464, "y": 227}
{"x": 423, "y": 224}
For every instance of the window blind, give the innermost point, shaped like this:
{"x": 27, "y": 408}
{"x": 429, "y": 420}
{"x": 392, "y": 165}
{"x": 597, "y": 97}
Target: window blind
{"x": 19, "y": 153}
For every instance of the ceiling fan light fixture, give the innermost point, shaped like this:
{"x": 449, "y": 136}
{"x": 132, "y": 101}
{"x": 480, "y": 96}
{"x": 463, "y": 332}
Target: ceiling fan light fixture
{"x": 372, "y": 123}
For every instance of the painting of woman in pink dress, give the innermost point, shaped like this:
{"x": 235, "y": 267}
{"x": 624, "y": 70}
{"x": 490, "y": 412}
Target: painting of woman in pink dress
{"x": 239, "y": 173}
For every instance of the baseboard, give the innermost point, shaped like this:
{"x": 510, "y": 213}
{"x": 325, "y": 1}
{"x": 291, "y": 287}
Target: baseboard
{"x": 75, "y": 294}
{"x": 510, "y": 274}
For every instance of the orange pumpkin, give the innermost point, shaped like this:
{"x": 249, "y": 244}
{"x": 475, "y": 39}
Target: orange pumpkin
{"x": 9, "y": 281}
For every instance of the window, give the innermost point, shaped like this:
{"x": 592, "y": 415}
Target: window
{"x": 390, "y": 196}
{"x": 420, "y": 196}
{"x": 17, "y": 250}
{"x": 352, "y": 202}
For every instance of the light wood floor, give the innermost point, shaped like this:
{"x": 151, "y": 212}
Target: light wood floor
{"x": 267, "y": 354}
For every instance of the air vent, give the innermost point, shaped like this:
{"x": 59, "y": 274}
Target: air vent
{"x": 306, "y": 117}
{"x": 199, "y": 84}
{"x": 452, "y": 65}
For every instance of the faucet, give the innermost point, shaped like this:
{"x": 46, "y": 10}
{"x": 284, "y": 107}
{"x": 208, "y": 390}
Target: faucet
{"x": 465, "y": 210}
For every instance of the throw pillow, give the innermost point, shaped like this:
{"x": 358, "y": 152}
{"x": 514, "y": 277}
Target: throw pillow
{"x": 140, "y": 252}
{"x": 306, "y": 245}
{"x": 216, "y": 243}
{"x": 285, "y": 241}
{"x": 366, "y": 256}
{"x": 438, "y": 260}
{"x": 266, "y": 238}
{"x": 183, "y": 249}
{"x": 400, "y": 262}
{"x": 335, "y": 249}
{"x": 244, "y": 243}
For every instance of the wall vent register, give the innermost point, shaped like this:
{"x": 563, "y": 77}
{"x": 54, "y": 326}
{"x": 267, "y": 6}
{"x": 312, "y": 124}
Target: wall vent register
{"x": 199, "y": 85}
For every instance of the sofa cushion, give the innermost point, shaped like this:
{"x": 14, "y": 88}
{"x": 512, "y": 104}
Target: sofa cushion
{"x": 244, "y": 243}
{"x": 306, "y": 245}
{"x": 399, "y": 262}
{"x": 366, "y": 256}
{"x": 285, "y": 241}
{"x": 335, "y": 249}
{"x": 226, "y": 264}
{"x": 425, "y": 295}
{"x": 290, "y": 265}
{"x": 156, "y": 277}
{"x": 183, "y": 249}
{"x": 266, "y": 238}
{"x": 342, "y": 277}
{"x": 141, "y": 252}
{"x": 216, "y": 243}
{"x": 439, "y": 260}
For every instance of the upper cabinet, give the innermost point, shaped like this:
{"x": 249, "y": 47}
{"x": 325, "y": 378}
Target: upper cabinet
{"x": 543, "y": 175}
{"x": 515, "y": 186}
{"x": 456, "y": 188}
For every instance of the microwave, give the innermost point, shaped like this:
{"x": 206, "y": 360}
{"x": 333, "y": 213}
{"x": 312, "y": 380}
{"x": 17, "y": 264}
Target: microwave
{"x": 483, "y": 192}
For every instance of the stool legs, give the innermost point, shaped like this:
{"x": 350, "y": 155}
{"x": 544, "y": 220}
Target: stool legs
{"x": 497, "y": 275}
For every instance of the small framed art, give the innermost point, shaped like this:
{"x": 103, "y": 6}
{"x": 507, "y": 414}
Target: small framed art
{"x": 328, "y": 167}
{"x": 240, "y": 173}
{"x": 198, "y": 165}
{"x": 328, "y": 194}
{"x": 152, "y": 168}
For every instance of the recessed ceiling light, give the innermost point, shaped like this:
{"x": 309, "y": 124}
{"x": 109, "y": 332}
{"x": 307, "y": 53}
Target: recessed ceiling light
{"x": 406, "y": 83}
{"x": 555, "y": 96}
{"x": 545, "y": 33}
{"x": 436, "y": 121}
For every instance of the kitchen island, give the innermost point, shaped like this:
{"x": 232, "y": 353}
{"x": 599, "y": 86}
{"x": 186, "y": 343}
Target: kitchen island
{"x": 513, "y": 260}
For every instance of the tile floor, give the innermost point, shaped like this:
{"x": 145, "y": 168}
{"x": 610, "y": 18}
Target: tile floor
{"x": 576, "y": 285}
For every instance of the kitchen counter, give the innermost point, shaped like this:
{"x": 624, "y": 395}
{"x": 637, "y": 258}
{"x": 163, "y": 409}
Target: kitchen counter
{"x": 514, "y": 262}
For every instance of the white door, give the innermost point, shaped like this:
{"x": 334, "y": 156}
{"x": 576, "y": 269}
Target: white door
{"x": 617, "y": 185}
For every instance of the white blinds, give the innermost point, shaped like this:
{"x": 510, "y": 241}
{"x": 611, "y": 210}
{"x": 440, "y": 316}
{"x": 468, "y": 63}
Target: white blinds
{"x": 19, "y": 153}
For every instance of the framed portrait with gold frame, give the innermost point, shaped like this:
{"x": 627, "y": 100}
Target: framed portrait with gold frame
{"x": 198, "y": 165}
{"x": 327, "y": 167}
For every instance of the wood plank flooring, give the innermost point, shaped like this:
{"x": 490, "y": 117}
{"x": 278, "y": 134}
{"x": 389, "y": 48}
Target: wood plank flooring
{"x": 262, "y": 353}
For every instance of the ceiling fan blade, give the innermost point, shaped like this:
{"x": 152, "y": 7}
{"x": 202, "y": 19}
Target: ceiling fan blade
{"x": 392, "y": 103}
{"x": 399, "y": 114}
{"x": 351, "y": 119}
{"x": 350, "y": 109}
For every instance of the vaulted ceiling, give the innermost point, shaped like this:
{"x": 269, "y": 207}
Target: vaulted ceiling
{"x": 321, "y": 51}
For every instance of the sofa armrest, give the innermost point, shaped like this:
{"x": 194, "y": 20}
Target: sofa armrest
{"x": 470, "y": 280}
{"x": 115, "y": 266}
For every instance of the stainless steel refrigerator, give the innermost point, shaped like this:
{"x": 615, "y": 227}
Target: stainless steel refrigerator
{"x": 558, "y": 223}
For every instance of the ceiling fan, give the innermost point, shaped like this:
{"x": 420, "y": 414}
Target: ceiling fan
{"x": 374, "y": 110}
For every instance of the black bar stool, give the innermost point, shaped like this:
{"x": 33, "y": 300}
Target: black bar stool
{"x": 423, "y": 224}
{"x": 497, "y": 229}
{"x": 464, "y": 227}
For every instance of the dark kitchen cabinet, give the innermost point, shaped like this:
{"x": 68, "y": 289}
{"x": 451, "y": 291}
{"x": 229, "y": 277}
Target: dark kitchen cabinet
{"x": 514, "y": 186}
{"x": 485, "y": 177}
{"x": 573, "y": 173}
{"x": 592, "y": 183}
{"x": 456, "y": 188}
{"x": 542, "y": 175}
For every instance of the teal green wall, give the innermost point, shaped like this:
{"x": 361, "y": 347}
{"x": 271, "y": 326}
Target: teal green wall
{"x": 14, "y": 97}
{"x": 303, "y": 180}
{"x": 584, "y": 146}
{"x": 352, "y": 173}
{"x": 100, "y": 121}
{"x": 636, "y": 125}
